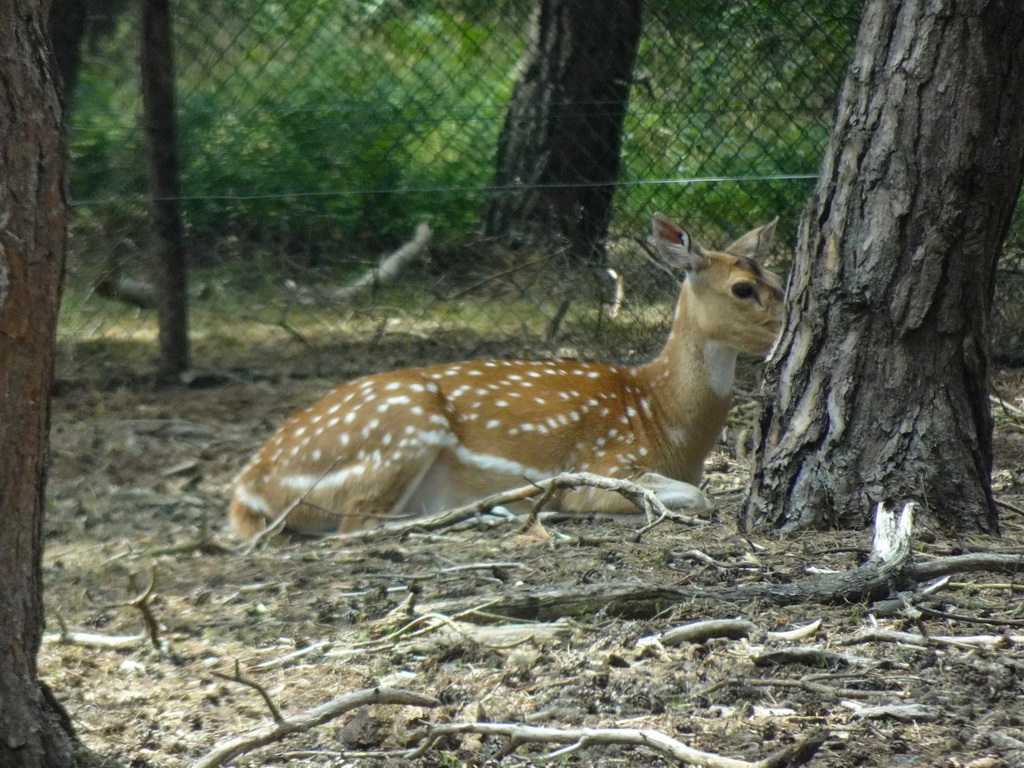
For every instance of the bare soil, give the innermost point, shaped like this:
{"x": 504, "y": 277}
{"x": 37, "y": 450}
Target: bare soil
{"x": 138, "y": 488}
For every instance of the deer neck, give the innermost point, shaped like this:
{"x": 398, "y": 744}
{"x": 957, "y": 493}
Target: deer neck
{"x": 692, "y": 378}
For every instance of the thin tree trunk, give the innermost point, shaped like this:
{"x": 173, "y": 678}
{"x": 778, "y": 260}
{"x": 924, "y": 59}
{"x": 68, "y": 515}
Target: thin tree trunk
{"x": 558, "y": 155}
{"x": 878, "y": 389}
{"x": 34, "y": 731}
{"x": 168, "y": 253}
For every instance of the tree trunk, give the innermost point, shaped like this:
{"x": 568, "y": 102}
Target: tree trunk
{"x": 34, "y": 731}
{"x": 558, "y": 154}
{"x": 67, "y": 24}
{"x": 71, "y": 24}
{"x": 168, "y": 253}
{"x": 878, "y": 388}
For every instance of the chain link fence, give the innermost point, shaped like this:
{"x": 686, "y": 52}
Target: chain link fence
{"x": 315, "y": 135}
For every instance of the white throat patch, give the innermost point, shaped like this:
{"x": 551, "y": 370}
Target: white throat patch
{"x": 720, "y": 361}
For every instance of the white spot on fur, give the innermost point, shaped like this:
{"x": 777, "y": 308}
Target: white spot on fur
{"x": 494, "y": 463}
{"x": 251, "y": 499}
{"x": 330, "y": 480}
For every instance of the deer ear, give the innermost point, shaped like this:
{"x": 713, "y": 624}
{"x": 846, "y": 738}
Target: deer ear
{"x": 675, "y": 245}
{"x": 754, "y": 245}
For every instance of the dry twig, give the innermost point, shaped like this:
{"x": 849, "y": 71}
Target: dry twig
{"x": 92, "y": 639}
{"x": 579, "y": 738}
{"x": 249, "y": 682}
{"x": 640, "y": 496}
{"x": 141, "y": 602}
{"x": 874, "y": 635}
{"x": 268, "y": 734}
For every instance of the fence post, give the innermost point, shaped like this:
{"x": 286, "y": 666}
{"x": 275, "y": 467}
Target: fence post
{"x": 156, "y": 61}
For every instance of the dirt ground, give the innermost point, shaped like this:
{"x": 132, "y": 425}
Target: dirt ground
{"x": 138, "y": 489}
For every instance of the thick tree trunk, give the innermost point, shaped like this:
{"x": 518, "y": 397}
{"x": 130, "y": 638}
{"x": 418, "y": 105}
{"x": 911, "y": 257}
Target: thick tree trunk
{"x": 168, "y": 252}
{"x": 878, "y": 389}
{"x": 33, "y": 157}
{"x": 558, "y": 155}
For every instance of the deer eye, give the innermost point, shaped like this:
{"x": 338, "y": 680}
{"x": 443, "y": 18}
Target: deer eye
{"x": 743, "y": 290}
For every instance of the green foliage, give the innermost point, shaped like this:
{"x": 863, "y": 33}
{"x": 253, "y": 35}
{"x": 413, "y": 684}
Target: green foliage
{"x": 734, "y": 91}
{"x": 312, "y": 120}
{"x": 334, "y": 126}
{"x": 106, "y": 142}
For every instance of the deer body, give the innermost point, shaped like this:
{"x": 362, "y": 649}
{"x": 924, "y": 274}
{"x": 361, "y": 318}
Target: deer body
{"x": 416, "y": 441}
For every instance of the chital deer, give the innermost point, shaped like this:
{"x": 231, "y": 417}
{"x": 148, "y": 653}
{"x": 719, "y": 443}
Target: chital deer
{"x": 416, "y": 441}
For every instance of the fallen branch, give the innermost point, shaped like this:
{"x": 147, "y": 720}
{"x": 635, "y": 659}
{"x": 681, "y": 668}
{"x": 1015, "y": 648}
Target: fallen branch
{"x": 886, "y": 566}
{"x": 800, "y": 633}
{"x": 643, "y": 498}
{"x": 141, "y": 603}
{"x": 388, "y": 268}
{"x": 910, "y": 711}
{"x": 116, "y": 642}
{"x": 875, "y": 635}
{"x": 579, "y": 738}
{"x": 702, "y": 631}
{"x": 949, "y": 616}
{"x": 93, "y": 640}
{"x": 975, "y": 561}
{"x": 228, "y": 750}
{"x": 237, "y": 677}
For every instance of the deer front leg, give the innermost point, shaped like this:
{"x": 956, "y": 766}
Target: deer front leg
{"x": 677, "y": 495}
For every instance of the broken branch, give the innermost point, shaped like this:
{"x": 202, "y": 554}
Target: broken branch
{"x": 578, "y": 738}
{"x": 260, "y": 737}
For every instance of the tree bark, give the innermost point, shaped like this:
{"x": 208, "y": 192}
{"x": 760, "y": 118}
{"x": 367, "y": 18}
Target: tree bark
{"x": 878, "y": 388}
{"x": 34, "y": 731}
{"x": 558, "y": 154}
{"x": 168, "y": 254}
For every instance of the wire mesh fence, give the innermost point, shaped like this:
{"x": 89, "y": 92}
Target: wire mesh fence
{"x": 315, "y": 135}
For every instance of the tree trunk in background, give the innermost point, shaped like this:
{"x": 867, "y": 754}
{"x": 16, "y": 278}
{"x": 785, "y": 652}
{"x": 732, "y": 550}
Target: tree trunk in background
{"x": 67, "y": 24}
{"x": 71, "y": 23}
{"x": 558, "y": 155}
{"x": 34, "y": 731}
{"x": 878, "y": 389}
{"x": 168, "y": 254}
